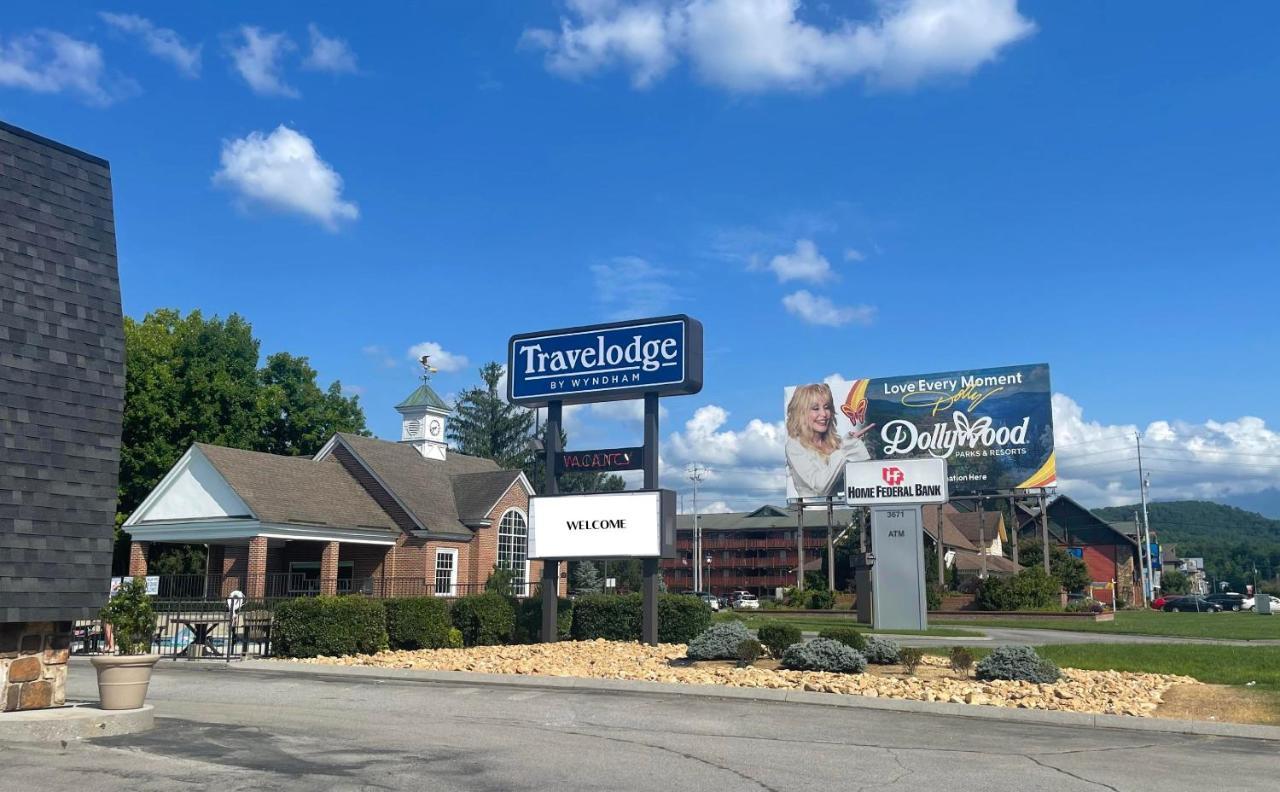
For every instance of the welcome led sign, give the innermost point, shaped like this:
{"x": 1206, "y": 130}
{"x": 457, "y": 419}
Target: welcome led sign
{"x": 607, "y": 362}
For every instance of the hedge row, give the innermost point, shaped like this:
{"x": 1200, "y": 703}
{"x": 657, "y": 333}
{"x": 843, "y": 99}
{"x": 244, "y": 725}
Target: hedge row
{"x": 313, "y": 626}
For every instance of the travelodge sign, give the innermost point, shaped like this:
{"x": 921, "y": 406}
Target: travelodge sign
{"x": 607, "y": 362}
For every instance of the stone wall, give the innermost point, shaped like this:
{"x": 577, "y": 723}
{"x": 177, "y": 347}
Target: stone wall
{"x": 33, "y": 665}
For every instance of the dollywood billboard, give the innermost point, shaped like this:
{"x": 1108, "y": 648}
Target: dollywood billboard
{"x": 994, "y": 427}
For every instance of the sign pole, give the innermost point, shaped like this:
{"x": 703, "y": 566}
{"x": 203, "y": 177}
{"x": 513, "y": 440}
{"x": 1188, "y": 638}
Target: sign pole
{"x": 550, "y": 568}
{"x": 649, "y": 610}
{"x": 800, "y": 547}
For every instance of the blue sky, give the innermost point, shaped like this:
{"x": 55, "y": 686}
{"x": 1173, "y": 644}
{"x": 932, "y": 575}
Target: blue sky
{"x": 864, "y": 188}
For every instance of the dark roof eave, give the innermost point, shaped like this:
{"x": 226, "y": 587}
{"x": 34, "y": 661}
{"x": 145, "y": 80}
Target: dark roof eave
{"x": 443, "y": 536}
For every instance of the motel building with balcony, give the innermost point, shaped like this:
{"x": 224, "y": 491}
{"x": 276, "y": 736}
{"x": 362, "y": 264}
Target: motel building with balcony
{"x": 756, "y": 551}
{"x": 363, "y": 515}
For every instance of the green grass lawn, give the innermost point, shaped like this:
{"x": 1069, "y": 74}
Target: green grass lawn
{"x": 1218, "y": 665}
{"x": 820, "y": 623}
{"x": 1246, "y": 626}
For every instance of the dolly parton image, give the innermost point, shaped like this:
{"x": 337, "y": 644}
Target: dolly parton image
{"x": 816, "y": 452}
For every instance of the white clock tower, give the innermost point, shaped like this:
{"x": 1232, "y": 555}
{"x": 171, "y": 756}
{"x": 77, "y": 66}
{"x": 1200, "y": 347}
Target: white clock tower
{"x": 422, "y": 423}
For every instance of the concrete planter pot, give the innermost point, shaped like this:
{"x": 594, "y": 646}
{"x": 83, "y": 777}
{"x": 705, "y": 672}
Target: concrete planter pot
{"x": 123, "y": 679}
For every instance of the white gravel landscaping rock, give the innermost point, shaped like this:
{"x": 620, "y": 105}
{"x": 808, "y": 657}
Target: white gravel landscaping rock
{"x": 1106, "y": 692}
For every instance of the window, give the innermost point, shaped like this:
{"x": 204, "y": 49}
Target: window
{"x": 304, "y": 576}
{"x": 446, "y": 573}
{"x": 513, "y": 550}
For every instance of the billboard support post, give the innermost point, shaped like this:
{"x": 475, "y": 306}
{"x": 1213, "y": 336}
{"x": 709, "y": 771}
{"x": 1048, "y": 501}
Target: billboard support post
{"x": 831, "y": 546}
{"x": 938, "y": 550}
{"x": 649, "y": 613}
{"x": 1013, "y": 522}
{"x": 982, "y": 537}
{"x": 800, "y": 547}
{"x": 551, "y": 568}
{"x": 1044, "y": 530}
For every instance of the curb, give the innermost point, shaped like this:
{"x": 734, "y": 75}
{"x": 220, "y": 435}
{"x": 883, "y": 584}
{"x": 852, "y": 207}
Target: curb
{"x": 73, "y": 722}
{"x": 637, "y": 687}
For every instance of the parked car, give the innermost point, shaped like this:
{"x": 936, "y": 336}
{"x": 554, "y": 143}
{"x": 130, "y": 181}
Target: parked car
{"x": 1250, "y": 603}
{"x": 746, "y": 602}
{"x": 1229, "y": 601}
{"x": 711, "y": 599}
{"x": 1159, "y": 602}
{"x": 1191, "y": 605}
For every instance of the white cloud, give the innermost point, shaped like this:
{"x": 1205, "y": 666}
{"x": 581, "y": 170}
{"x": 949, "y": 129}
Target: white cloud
{"x": 329, "y": 54}
{"x": 851, "y": 254}
{"x": 628, "y": 287}
{"x": 804, "y": 263}
{"x": 821, "y": 311}
{"x": 258, "y": 57}
{"x": 283, "y": 170}
{"x": 161, "y": 42}
{"x": 379, "y": 355}
{"x": 441, "y": 359}
{"x": 761, "y": 45}
{"x": 50, "y": 62}
{"x": 1098, "y": 463}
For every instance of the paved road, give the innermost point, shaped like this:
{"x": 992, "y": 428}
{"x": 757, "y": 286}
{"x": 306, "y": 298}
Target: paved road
{"x": 249, "y": 730}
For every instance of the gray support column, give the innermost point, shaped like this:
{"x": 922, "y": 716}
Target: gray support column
{"x": 550, "y": 568}
{"x": 649, "y": 610}
{"x": 800, "y": 546}
{"x": 1044, "y": 531}
{"x": 982, "y": 537}
{"x": 940, "y": 551}
{"x": 1013, "y": 526}
{"x": 831, "y": 547}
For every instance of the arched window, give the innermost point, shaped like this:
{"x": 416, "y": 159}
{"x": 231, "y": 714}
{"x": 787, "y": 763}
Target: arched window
{"x": 513, "y": 549}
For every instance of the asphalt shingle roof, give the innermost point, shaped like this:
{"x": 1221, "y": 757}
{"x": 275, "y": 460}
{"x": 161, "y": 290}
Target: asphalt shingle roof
{"x": 297, "y": 490}
{"x": 475, "y": 493}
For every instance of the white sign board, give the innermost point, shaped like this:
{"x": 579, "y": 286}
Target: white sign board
{"x": 899, "y": 481}
{"x": 637, "y": 524}
{"x": 153, "y": 584}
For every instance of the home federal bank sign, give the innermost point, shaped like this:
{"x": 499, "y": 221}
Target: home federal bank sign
{"x": 622, "y": 360}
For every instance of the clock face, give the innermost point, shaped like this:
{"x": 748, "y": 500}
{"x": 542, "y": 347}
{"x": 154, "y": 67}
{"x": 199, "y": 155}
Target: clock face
{"x": 434, "y": 428}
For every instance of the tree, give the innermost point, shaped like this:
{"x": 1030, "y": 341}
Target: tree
{"x": 1174, "y": 582}
{"x": 586, "y": 580}
{"x": 486, "y": 425}
{"x": 190, "y": 379}
{"x": 1071, "y": 572}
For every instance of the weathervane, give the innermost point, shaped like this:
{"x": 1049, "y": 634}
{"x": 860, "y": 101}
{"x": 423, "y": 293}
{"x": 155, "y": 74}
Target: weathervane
{"x": 427, "y": 368}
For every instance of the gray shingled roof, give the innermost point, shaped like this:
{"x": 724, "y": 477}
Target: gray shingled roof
{"x": 297, "y": 490}
{"x": 475, "y": 493}
{"x": 969, "y": 561}
{"x": 424, "y": 486}
{"x": 967, "y": 524}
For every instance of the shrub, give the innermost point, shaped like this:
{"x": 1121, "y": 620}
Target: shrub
{"x": 794, "y": 597}
{"x": 910, "y": 658}
{"x": 500, "y": 581}
{"x": 822, "y": 599}
{"x": 933, "y": 596}
{"x": 455, "y": 638}
{"x": 824, "y": 654}
{"x": 417, "y": 622}
{"x": 1020, "y": 663}
{"x": 529, "y": 619}
{"x": 681, "y": 618}
{"x": 881, "y": 651}
{"x": 1087, "y": 605}
{"x": 961, "y": 660}
{"x": 617, "y": 617}
{"x": 484, "y": 619}
{"x": 613, "y": 617}
{"x": 847, "y": 636}
{"x": 777, "y": 636}
{"x": 1030, "y": 589}
{"x": 718, "y": 642}
{"x": 331, "y": 626}
{"x": 749, "y": 651}
{"x": 131, "y": 616}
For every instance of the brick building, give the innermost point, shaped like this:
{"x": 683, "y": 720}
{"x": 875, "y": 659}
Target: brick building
{"x": 61, "y": 406}
{"x": 1106, "y": 550}
{"x": 363, "y": 515}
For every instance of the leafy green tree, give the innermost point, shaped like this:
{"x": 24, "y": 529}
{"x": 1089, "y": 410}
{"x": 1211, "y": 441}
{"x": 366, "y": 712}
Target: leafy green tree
{"x": 1174, "y": 582}
{"x": 486, "y": 425}
{"x": 1071, "y": 572}
{"x": 190, "y": 379}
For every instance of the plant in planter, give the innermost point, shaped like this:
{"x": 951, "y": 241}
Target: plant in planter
{"x": 123, "y": 678}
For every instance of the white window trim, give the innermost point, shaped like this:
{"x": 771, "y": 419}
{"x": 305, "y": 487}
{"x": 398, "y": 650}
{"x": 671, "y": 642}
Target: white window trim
{"x": 524, "y": 588}
{"x": 453, "y": 572}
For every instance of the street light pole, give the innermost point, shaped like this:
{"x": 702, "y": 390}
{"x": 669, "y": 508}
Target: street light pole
{"x": 696, "y": 474}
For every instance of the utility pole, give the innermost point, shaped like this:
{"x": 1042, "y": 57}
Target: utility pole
{"x": 1146, "y": 525}
{"x": 1142, "y": 568}
{"x": 696, "y": 474}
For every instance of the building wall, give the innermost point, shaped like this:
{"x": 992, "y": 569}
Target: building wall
{"x": 61, "y": 380}
{"x": 759, "y": 561}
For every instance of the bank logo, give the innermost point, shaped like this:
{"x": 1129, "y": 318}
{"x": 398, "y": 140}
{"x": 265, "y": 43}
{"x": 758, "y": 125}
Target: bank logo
{"x": 892, "y": 476}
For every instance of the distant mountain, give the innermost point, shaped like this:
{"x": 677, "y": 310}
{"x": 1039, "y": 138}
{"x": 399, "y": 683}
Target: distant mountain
{"x": 1266, "y": 503}
{"x": 1231, "y": 540}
